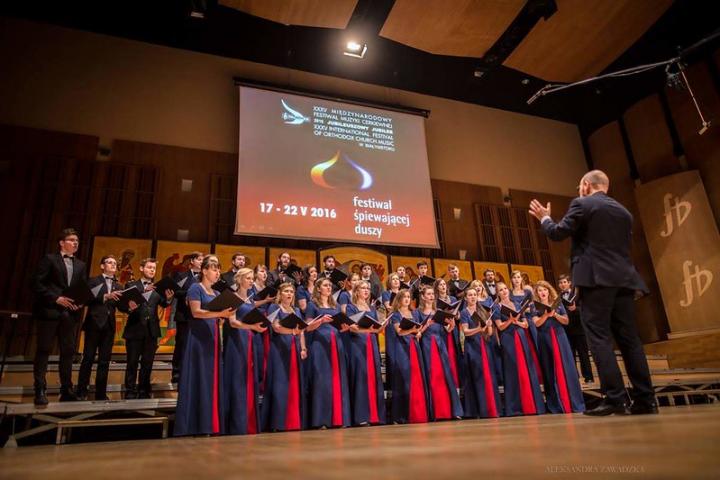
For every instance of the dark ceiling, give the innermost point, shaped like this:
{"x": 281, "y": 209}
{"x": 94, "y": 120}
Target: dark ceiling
{"x": 230, "y": 32}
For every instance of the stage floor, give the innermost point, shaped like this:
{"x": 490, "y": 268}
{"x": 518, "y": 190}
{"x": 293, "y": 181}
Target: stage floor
{"x": 681, "y": 442}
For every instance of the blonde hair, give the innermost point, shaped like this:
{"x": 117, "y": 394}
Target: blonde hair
{"x": 389, "y": 279}
{"x": 398, "y": 298}
{"x": 477, "y": 285}
{"x": 316, "y": 293}
{"x": 552, "y": 293}
{"x": 241, "y": 273}
{"x": 354, "y": 297}
{"x": 421, "y": 300}
{"x": 282, "y": 287}
{"x": 209, "y": 263}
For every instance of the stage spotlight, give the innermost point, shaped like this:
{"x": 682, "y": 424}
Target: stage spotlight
{"x": 355, "y": 49}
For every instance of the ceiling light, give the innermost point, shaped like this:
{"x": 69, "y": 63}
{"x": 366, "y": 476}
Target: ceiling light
{"x": 355, "y": 49}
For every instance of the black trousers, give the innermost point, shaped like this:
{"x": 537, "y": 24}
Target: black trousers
{"x": 607, "y": 313}
{"x": 579, "y": 347}
{"x": 139, "y": 351}
{"x": 181, "y": 334}
{"x": 98, "y": 340}
{"x": 65, "y": 328}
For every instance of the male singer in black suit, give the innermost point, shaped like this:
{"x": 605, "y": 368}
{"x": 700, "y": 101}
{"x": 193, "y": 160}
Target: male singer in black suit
{"x": 489, "y": 283}
{"x": 601, "y": 232}
{"x": 574, "y": 328}
{"x": 142, "y": 331}
{"x": 99, "y": 328}
{"x": 238, "y": 261}
{"x": 182, "y": 310}
{"x": 278, "y": 275}
{"x": 57, "y": 315}
{"x": 456, "y": 285}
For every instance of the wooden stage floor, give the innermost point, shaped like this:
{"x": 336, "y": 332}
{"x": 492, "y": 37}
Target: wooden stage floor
{"x": 681, "y": 442}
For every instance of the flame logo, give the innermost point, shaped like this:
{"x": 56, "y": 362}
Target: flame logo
{"x": 345, "y": 174}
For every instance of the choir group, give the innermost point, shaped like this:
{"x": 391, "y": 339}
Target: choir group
{"x": 307, "y": 343}
{"x": 300, "y": 348}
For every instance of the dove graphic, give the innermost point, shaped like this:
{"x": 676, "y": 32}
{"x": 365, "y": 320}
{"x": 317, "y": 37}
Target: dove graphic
{"x": 292, "y": 117}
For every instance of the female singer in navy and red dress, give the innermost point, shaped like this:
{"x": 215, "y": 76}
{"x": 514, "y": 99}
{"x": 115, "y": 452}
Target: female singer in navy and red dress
{"x": 393, "y": 286}
{"x": 520, "y": 293}
{"x": 452, "y": 338}
{"x": 482, "y": 397}
{"x": 410, "y": 395}
{"x": 563, "y": 393}
{"x": 345, "y": 295}
{"x": 240, "y": 379}
{"x": 307, "y": 287}
{"x": 200, "y": 407}
{"x": 282, "y": 407}
{"x": 262, "y": 341}
{"x": 364, "y": 372}
{"x": 522, "y": 388}
{"x": 441, "y": 383}
{"x": 328, "y": 393}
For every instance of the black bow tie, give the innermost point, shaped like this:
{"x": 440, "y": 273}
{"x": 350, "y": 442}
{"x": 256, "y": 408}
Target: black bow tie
{"x": 68, "y": 256}
{"x": 108, "y": 278}
{"x": 146, "y": 283}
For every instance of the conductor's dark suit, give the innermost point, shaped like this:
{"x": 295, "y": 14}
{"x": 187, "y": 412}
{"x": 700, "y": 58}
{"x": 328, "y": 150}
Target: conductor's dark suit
{"x": 601, "y": 233}
{"x": 49, "y": 282}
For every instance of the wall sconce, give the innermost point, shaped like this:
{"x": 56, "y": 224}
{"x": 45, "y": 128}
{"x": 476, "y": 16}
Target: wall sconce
{"x": 457, "y": 213}
{"x": 183, "y": 235}
{"x": 186, "y": 185}
{"x": 462, "y": 254}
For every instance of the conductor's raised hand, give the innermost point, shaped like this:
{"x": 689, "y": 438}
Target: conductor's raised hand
{"x": 539, "y": 211}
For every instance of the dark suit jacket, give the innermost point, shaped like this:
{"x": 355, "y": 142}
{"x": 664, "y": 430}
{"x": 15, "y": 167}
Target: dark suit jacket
{"x": 492, "y": 295}
{"x": 229, "y": 278}
{"x": 100, "y": 313}
{"x": 601, "y": 232}
{"x": 182, "y": 310}
{"x": 574, "y": 326}
{"x": 144, "y": 320}
{"x": 48, "y": 283}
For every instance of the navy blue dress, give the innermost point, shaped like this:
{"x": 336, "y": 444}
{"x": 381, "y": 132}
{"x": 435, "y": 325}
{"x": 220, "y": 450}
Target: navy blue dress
{"x": 455, "y": 354}
{"x": 343, "y": 298}
{"x": 563, "y": 392}
{"x": 328, "y": 393}
{"x": 410, "y": 395}
{"x": 240, "y": 379}
{"x": 522, "y": 393}
{"x": 261, "y": 345}
{"x": 391, "y": 340}
{"x": 482, "y": 397}
{"x": 303, "y": 294}
{"x": 531, "y": 333}
{"x": 365, "y": 374}
{"x": 444, "y": 396}
{"x": 496, "y": 346}
{"x": 200, "y": 407}
{"x": 283, "y": 403}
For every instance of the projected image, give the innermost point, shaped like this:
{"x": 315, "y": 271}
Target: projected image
{"x": 325, "y": 170}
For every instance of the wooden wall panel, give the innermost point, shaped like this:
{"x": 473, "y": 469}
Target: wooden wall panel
{"x": 702, "y": 151}
{"x": 555, "y": 253}
{"x": 650, "y": 139}
{"x": 177, "y": 209}
{"x": 461, "y": 234}
{"x": 608, "y": 154}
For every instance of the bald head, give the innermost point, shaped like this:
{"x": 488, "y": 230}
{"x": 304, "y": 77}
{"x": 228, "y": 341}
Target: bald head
{"x": 593, "y": 181}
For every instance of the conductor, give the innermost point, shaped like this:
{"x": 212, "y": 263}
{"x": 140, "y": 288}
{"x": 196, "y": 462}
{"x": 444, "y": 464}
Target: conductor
{"x": 601, "y": 232}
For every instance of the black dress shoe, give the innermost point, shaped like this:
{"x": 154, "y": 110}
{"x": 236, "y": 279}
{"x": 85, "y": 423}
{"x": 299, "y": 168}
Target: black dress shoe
{"x": 81, "y": 394}
{"x": 102, "y": 398}
{"x": 144, "y": 395}
{"x": 40, "y": 399}
{"x": 607, "y": 408}
{"x": 68, "y": 396}
{"x": 643, "y": 408}
{"x": 131, "y": 394}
